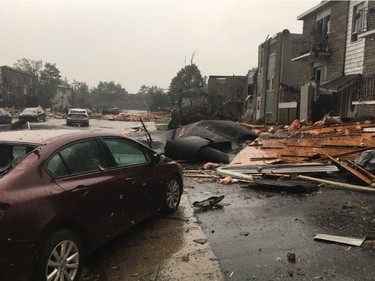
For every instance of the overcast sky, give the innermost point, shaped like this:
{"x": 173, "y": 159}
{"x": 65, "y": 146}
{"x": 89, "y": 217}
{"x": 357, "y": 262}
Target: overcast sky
{"x": 140, "y": 42}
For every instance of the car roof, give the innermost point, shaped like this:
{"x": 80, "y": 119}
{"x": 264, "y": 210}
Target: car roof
{"x": 78, "y": 109}
{"x": 38, "y": 137}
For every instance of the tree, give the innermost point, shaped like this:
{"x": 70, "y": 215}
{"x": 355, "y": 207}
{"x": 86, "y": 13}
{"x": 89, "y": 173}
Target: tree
{"x": 49, "y": 79}
{"x": 159, "y": 101}
{"x": 32, "y": 67}
{"x": 189, "y": 78}
{"x": 109, "y": 94}
{"x": 80, "y": 95}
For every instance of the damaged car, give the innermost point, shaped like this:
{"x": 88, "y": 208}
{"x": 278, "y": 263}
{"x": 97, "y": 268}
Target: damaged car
{"x": 64, "y": 193}
{"x": 78, "y": 116}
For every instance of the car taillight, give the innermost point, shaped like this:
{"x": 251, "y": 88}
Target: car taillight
{"x": 3, "y": 209}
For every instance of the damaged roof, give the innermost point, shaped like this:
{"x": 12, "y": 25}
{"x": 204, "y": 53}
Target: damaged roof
{"x": 340, "y": 83}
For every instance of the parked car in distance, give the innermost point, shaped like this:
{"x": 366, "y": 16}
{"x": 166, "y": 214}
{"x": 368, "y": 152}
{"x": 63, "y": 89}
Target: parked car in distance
{"x": 33, "y": 114}
{"x": 112, "y": 110}
{"x": 5, "y": 116}
{"x": 78, "y": 116}
{"x": 64, "y": 193}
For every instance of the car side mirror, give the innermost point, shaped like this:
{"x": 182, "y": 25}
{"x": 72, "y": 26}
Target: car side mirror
{"x": 155, "y": 158}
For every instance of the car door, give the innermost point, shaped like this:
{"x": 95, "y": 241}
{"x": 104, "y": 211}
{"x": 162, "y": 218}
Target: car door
{"x": 91, "y": 189}
{"x": 134, "y": 166}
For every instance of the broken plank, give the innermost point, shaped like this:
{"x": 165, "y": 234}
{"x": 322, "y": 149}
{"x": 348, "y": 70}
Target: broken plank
{"x": 361, "y": 169}
{"x": 340, "y": 239}
{"x": 350, "y": 169}
{"x": 351, "y": 152}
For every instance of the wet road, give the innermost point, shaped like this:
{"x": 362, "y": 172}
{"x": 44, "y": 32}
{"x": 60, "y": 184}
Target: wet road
{"x": 251, "y": 235}
{"x": 255, "y": 229}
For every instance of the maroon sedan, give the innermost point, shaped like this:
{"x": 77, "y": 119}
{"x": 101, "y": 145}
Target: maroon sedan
{"x": 64, "y": 193}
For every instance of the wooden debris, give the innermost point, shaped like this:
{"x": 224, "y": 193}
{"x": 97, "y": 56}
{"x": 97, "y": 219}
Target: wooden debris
{"x": 340, "y": 239}
{"x": 350, "y": 169}
{"x": 364, "y": 171}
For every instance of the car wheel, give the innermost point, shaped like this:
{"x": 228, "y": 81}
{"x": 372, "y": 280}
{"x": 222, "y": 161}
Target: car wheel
{"x": 173, "y": 195}
{"x": 61, "y": 257}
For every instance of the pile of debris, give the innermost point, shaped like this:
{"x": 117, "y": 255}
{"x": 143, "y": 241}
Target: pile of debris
{"x": 328, "y": 152}
{"x": 146, "y": 116}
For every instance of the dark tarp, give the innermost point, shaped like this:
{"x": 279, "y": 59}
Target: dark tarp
{"x": 194, "y": 148}
{"x": 216, "y": 130}
{"x": 366, "y": 159}
{"x": 205, "y": 140}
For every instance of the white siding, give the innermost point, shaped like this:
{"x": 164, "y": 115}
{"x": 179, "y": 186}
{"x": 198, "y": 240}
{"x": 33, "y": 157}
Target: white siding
{"x": 354, "y": 50}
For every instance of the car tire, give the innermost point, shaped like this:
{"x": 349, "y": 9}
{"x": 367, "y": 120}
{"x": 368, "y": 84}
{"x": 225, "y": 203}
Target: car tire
{"x": 172, "y": 196}
{"x": 56, "y": 261}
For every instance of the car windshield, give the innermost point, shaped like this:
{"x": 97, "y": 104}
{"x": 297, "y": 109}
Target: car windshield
{"x": 77, "y": 112}
{"x": 12, "y": 154}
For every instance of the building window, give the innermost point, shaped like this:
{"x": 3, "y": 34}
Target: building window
{"x": 320, "y": 74}
{"x": 323, "y": 28}
{"x": 358, "y": 22}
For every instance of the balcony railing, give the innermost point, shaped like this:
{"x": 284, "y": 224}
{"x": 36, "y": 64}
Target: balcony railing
{"x": 288, "y": 94}
{"x": 312, "y": 51}
{"x": 365, "y": 89}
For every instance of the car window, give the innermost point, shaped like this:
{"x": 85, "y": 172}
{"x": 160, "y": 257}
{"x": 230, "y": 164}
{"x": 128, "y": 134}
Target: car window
{"x": 126, "y": 152}
{"x": 57, "y": 167}
{"x": 82, "y": 157}
{"x": 11, "y": 155}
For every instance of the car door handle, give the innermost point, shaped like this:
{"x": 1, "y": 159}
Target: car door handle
{"x": 130, "y": 179}
{"x": 80, "y": 190}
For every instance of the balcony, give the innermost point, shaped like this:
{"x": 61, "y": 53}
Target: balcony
{"x": 368, "y": 23}
{"x": 313, "y": 52}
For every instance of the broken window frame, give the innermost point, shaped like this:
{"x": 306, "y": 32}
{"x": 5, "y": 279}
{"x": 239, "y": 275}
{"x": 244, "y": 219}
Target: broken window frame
{"x": 358, "y": 21}
{"x": 322, "y": 26}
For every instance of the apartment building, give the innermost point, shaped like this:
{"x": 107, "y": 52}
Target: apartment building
{"x": 16, "y": 86}
{"x": 323, "y": 57}
{"x": 340, "y": 61}
{"x": 231, "y": 91}
{"x": 277, "y": 80}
